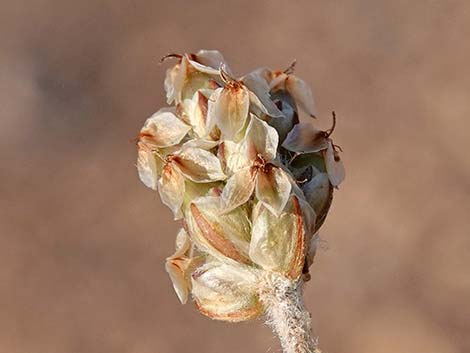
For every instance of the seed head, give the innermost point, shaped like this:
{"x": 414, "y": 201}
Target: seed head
{"x": 251, "y": 183}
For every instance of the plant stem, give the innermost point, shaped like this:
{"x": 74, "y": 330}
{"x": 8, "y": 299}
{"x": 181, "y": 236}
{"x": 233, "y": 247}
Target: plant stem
{"x": 287, "y": 315}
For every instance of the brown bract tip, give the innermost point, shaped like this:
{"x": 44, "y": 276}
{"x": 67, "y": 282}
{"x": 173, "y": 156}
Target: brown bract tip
{"x": 170, "y": 56}
{"x": 332, "y": 128}
{"x": 225, "y": 76}
{"x": 291, "y": 68}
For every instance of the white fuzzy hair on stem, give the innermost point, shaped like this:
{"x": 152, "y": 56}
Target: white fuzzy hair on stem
{"x": 286, "y": 314}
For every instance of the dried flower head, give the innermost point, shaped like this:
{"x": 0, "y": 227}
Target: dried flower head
{"x": 252, "y": 183}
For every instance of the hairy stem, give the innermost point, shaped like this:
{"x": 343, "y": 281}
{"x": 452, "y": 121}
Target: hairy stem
{"x": 287, "y": 315}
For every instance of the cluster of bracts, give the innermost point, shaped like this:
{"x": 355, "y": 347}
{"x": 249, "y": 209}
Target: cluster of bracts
{"x": 251, "y": 182}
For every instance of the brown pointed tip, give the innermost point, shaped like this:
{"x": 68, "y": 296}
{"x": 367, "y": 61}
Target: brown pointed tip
{"x": 170, "y": 56}
{"x": 291, "y": 68}
{"x": 313, "y": 116}
{"x": 224, "y": 74}
{"x": 332, "y": 128}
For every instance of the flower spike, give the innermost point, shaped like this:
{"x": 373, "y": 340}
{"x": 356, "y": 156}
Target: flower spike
{"x": 252, "y": 184}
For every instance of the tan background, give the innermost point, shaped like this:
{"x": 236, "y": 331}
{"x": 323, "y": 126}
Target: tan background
{"x": 83, "y": 242}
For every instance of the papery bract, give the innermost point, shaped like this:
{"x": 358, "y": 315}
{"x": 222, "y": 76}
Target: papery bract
{"x": 180, "y": 265}
{"x": 194, "y": 111}
{"x": 304, "y": 138}
{"x": 319, "y": 194}
{"x": 259, "y": 87}
{"x": 226, "y": 292}
{"x": 223, "y": 236}
{"x": 190, "y": 74}
{"x": 334, "y": 165}
{"x": 228, "y": 109}
{"x": 148, "y": 167}
{"x": 279, "y": 243}
{"x": 270, "y": 182}
{"x": 163, "y": 129}
{"x": 196, "y": 164}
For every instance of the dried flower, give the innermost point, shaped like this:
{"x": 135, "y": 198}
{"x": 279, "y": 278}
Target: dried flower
{"x": 252, "y": 184}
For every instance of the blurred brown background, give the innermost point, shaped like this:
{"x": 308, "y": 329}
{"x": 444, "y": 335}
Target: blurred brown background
{"x": 83, "y": 242}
